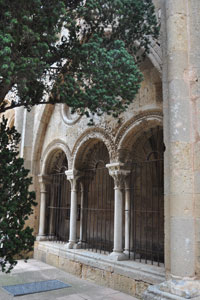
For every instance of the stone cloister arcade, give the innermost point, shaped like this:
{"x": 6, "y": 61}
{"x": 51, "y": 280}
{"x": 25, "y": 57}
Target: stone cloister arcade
{"x": 100, "y": 189}
{"x": 111, "y": 200}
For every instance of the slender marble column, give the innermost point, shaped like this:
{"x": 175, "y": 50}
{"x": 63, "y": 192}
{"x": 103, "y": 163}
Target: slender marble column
{"x": 81, "y": 213}
{"x": 43, "y": 199}
{"x": 73, "y": 210}
{"x": 127, "y": 216}
{"x": 118, "y": 175}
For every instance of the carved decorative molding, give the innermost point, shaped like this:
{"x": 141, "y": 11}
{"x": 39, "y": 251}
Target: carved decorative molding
{"x": 73, "y": 176}
{"x": 67, "y": 116}
{"x": 119, "y": 173}
{"x": 43, "y": 181}
{"x": 56, "y": 146}
{"x": 141, "y": 117}
{"x": 92, "y": 136}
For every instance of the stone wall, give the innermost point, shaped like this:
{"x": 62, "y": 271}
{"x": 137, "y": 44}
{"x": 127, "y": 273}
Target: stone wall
{"x": 98, "y": 269}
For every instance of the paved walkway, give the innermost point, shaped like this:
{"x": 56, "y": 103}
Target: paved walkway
{"x": 80, "y": 289}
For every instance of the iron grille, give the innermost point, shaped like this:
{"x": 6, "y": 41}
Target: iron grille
{"x": 98, "y": 210}
{"x": 147, "y": 212}
{"x": 58, "y": 208}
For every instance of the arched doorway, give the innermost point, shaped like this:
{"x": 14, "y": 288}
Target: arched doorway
{"x": 98, "y": 202}
{"x": 58, "y": 199}
{"x": 147, "y": 198}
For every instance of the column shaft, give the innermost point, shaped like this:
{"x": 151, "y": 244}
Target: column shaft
{"x": 118, "y": 217}
{"x": 73, "y": 178}
{"x": 127, "y": 219}
{"x": 81, "y": 213}
{"x": 42, "y": 213}
{"x": 73, "y": 217}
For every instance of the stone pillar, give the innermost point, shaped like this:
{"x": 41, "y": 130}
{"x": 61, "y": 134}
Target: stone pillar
{"x": 73, "y": 209}
{"x": 180, "y": 138}
{"x": 127, "y": 216}
{"x": 43, "y": 180}
{"x": 118, "y": 174}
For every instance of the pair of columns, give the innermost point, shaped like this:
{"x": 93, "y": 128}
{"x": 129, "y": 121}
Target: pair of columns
{"x": 119, "y": 175}
{"x": 44, "y": 181}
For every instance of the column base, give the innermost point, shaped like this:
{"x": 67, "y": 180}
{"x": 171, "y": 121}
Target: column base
{"x": 131, "y": 254}
{"x": 41, "y": 238}
{"x": 173, "y": 289}
{"x": 72, "y": 245}
{"x": 118, "y": 256}
{"x": 79, "y": 245}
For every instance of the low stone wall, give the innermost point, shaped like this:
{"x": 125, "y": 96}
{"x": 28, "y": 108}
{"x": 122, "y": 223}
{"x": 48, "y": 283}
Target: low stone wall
{"x": 99, "y": 269}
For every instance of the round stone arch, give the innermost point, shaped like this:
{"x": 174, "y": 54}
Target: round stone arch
{"x": 54, "y": 192}
{"x": 130, "y": 132}
{"x": 54, "y": 153}
{"x": 85, "y": 145}
{"x": 92, "y": 153}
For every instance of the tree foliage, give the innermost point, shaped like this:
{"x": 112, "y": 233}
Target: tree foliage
{"x": 16, "y": 201}
{"x": 83, "y": 53}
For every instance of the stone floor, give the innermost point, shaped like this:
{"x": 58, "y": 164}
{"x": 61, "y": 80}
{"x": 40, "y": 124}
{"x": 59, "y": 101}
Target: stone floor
{"x": 80, "y": 289}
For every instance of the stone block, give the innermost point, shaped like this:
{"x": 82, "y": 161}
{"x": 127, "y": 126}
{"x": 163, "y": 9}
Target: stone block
{"x": 179, "y": 93}
{"x": 71, "y": 267}
{"x": 178, "y": 36}
{"x": 197, "y": 205}
{"x": 181, "y": 182}
{"x": 182, "y": 153}
{"x": 197, "y": 182}
{"x": 197, "y": 156}
{"x": 182, "y": 246}
{"x": 180, "y": 120}
{"x": 124, "y": 284}
{"x": 141, "y": 287}
{"x": 52, "y": 259}
{"x": 182, "y": 205}
{"x": 94, "y": 274}
{"x": 176, "y": 7}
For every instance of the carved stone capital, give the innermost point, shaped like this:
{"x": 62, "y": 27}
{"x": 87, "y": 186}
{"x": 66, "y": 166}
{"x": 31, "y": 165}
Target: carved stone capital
{"x": 43, "y": 181}
{"x": 73, "y": 176}
{"x": 117, "y": 171}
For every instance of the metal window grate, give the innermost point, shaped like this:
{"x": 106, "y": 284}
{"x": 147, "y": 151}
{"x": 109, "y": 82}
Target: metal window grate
{"x": 147, "y": 212}
{"x": 98, "y": 210}
{"x": 58, "y": 208}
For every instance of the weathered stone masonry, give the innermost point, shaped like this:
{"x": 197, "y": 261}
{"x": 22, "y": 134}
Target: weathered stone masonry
{"x": 170, "y": 99}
